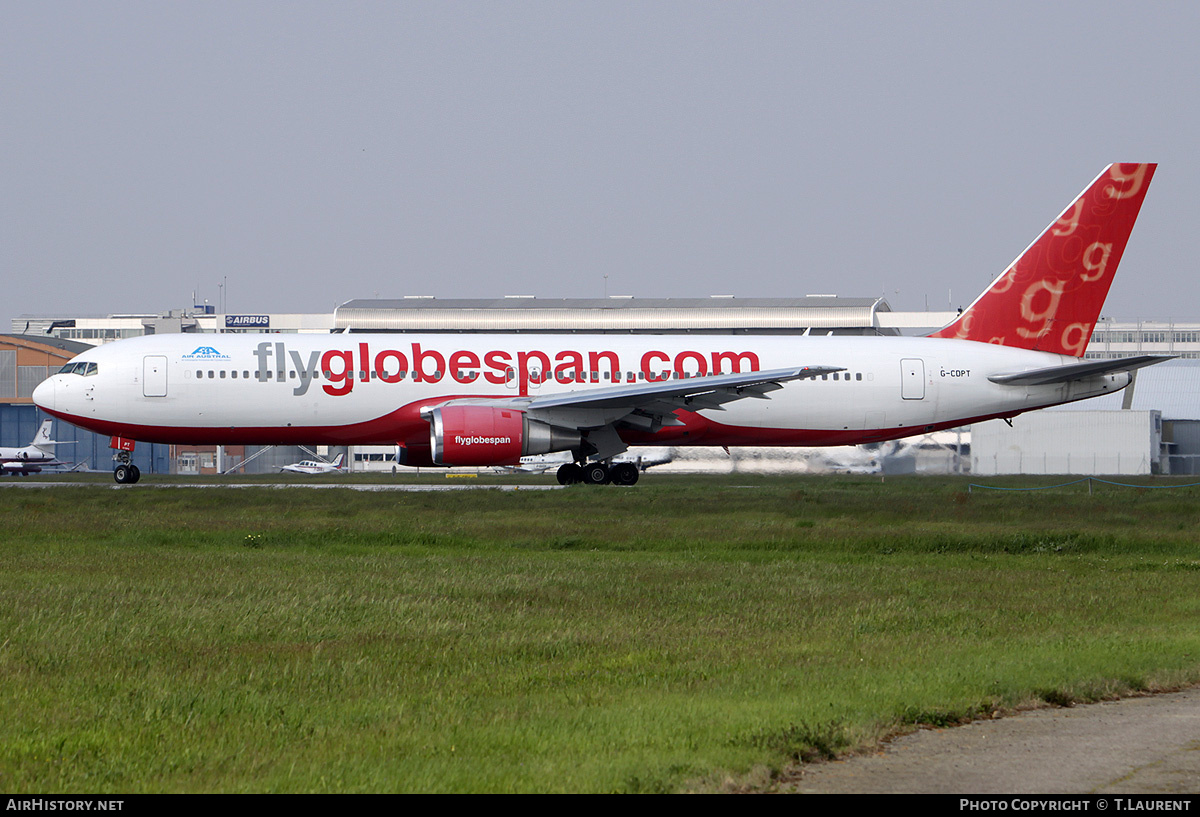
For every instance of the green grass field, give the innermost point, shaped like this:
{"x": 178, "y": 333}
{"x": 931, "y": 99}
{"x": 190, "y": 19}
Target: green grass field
{"x": 688, "y": 634}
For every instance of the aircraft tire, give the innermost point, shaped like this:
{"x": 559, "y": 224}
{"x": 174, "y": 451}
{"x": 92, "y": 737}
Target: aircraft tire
{"x": 595, "y": 473}
{"x": 624, "y": 473}
{"x": 135, "y": 474}
{"x": 122, "y": 474}
{"x": 570, "y": 474}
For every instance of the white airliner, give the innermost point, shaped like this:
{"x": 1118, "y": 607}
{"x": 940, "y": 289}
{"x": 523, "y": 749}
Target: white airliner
{"x": 33, "y": 457}
{"x": 491, "y": 399}
{"x": 315, "y": 466}
{"x": 541, "y": 463}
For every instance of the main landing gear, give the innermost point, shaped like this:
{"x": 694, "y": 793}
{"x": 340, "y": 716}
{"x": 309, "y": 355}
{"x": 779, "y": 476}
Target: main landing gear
{"x": 598, "y": 473}
{"x": 126, "y": 473}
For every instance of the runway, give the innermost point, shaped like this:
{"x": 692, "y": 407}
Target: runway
{"x": 349, "y": 486}
{"x": 1144, "y": 745}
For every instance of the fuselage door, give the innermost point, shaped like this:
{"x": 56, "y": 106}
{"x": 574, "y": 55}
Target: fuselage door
{"x": 154, "y": 376}
{"x": 912, "y": 378}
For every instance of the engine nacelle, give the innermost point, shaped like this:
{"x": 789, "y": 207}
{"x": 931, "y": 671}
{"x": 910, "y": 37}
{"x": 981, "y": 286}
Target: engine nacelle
{"x": 415, "y": 452}
{"x": 486, "y": 435}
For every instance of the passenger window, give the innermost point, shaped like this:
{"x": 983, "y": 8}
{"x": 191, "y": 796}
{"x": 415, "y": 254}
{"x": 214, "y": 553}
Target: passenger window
{"x": 222, "y": 374}
{"x": 858, "y": 376}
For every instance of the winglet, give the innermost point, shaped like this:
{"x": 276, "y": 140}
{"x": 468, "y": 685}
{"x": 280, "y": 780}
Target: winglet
{"x": 1050, "y": 297}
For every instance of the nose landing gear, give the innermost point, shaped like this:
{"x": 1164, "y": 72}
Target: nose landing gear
{"x": 125, "y": 472}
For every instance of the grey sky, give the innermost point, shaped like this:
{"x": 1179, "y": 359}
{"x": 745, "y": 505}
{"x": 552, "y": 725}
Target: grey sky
{"x": 317, "y": 152}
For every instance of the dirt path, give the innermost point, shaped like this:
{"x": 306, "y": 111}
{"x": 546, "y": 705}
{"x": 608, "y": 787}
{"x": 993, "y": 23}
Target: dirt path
{"x": 1148, "y": 745}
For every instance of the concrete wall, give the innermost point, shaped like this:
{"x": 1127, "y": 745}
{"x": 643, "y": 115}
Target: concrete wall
{"x": 1069, "y": 442}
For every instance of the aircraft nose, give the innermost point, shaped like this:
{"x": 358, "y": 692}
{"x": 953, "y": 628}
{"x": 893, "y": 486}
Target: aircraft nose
{"x": 43, "y": 393}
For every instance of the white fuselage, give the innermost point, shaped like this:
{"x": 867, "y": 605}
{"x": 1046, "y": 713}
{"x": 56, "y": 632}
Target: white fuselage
{"x": 28, "y": 454}
{"x": 370, "y": 388}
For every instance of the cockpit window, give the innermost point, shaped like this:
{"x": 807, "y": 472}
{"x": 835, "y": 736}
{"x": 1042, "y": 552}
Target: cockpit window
{"x": 82, "y": 368}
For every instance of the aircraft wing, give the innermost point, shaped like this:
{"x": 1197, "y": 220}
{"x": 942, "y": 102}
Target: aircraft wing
{"x": 30, "y": 465}
{"x": 693, "y": 393}
{"x": 1077, "y": 371}
{"x": 648, "y": 406}
{"x": 662, "y": 397}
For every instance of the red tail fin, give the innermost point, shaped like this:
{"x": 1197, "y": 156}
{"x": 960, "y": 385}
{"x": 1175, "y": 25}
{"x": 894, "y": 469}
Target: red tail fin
{"x": 1050, "y": 297}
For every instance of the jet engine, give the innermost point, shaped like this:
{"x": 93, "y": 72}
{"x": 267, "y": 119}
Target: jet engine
{"x": 488, "y": 435}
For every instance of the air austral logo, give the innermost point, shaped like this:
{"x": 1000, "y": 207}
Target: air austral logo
{"x": 206, "y": 353}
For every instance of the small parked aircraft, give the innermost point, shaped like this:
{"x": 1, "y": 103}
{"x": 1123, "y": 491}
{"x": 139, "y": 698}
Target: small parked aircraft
{"x": 33, "y": 457}
{"x": 316, "y": 467}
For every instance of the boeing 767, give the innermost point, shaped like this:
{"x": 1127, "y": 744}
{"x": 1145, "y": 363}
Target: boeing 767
{"x": 485, "y": 400}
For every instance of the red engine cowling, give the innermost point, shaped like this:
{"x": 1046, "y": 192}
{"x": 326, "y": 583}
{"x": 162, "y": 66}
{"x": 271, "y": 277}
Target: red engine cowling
{"x": 485, "y": 435}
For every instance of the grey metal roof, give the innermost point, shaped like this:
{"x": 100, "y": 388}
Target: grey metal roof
{"x": 72, "y": 346}
{"x": 608, "y": 314}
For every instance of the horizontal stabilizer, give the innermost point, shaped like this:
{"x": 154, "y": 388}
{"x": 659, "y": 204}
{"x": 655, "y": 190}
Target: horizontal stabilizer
{"x": 1077, "y": 371}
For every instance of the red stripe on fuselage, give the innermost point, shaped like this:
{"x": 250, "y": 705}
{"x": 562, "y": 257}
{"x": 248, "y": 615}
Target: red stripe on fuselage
{"x": 405, "y": 424}
{"x": 401, "y": 424}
